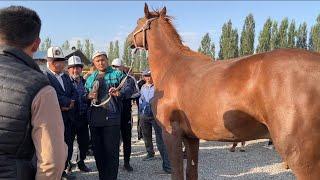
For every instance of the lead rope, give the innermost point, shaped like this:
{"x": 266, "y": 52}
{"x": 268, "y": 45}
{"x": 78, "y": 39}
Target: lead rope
{"x": 96, "y": 86}
{"x": 144, "y": 29}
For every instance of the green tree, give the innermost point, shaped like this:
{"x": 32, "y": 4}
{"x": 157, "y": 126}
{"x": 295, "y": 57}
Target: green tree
{"x": 274, "y": 41}
{"x": 265, "y": 37}
{"x": 283, "y": 33}
{"x": 45, "y": 44}
{"x": 292, "y": 35}
{"x": 310, "y": 43}
{"x": 234, "y": 43}
{"x": 91, "y": 50}
{"x": 127, "y": 56}
{"x": 79, "y": 45}
{"x": 302, "y": 36}
{"x": 87, "y": 48}
{"x": 143, "y": 61}
{"x": 315, "y": 35}
{"x": 66, "y": 45}
{"x": 247, "y": 36}
{"x": 228, "y": 42}
{"x": 116, "y": 50}
{"x": 110, "y": 52}
{"x": 136, "y": 63}
{"x": 206, "y": 47}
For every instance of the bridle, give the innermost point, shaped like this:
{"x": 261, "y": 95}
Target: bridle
{"x": 143, "y": 29}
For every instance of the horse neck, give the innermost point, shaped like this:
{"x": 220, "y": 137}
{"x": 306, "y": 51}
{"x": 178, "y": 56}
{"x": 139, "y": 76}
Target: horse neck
{"x": 163, "y": 47}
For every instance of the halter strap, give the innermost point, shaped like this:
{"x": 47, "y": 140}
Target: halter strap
{"x": 144, "y": 29}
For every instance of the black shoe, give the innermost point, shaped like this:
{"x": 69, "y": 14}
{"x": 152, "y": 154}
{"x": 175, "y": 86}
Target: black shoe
{"x": 70, "y": 166}
{"x": 166, "y": 170}
{"x": 90, "y": 152}
{"x": 148, "y": 157}
{"x": 127, "y": 167}
{"x": 66, "y": 176}
{"x": 83, "y": 167}
{"x": 184, "y": 153}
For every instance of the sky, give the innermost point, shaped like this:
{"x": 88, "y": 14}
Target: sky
{"x": 105, "y": 21}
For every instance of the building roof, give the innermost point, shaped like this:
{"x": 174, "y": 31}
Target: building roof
{"x": 42, "y": 55}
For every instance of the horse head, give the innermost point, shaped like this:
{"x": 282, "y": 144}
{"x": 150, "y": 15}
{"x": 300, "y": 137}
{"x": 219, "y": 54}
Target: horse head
{"x": 138, "y": 38}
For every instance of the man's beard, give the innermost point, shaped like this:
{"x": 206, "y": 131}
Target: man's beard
{"x": 76, "y": 76}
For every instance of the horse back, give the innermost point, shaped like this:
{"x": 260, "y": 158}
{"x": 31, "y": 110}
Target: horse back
{"x": 229, "y": 99}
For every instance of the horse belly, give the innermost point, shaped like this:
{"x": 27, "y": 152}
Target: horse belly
{"x": 234, "y": 125}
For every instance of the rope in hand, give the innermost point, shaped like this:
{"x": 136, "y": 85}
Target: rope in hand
{"x": 96, "y": 85}
{"x": 143, "y": 29}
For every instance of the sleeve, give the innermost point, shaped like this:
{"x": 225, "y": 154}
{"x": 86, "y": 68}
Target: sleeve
{"x": 141, "y": 99}
{"x": 64, "y": 101}
{"x": 89, "y": 82}
{"x": 136, "y": 91}
{"x": 48, "y": 135}
{"x": 127, "y": 90}
{"x": 74, "y": 93}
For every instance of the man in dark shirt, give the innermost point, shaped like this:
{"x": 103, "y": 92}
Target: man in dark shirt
{"x": 67, "y": 97}
{"x": 80, "y": 124}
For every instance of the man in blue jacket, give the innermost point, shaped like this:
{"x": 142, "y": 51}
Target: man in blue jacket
{"x": 148, "y": 121}
{"x": 67, "y": 96}
{"x": 105, "y": 114}
{"x": 80, "y": 124}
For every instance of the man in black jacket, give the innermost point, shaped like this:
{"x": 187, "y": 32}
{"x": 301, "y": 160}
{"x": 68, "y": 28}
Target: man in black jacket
{"x": 67, "y": 97}
{"x": 30, "y": 120}
{"x": 126, "y": 117}
{"x": 105, "y": 119}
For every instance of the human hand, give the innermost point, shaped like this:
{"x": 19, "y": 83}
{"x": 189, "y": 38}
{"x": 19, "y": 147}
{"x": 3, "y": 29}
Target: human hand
{"x": 64, "y": 109}
{"x": 114, "y": 92}
{"x": 92, "y": 95}
{"x": 71, "y": 104}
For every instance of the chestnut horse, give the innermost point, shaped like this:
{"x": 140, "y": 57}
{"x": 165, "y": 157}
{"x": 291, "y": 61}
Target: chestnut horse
{"x": 274, "y": 94}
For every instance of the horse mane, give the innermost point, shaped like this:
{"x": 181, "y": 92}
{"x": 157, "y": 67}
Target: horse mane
{"x": 170, "y": 29}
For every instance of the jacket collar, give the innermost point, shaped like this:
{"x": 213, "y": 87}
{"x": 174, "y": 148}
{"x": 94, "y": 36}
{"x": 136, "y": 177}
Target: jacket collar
{"x": 21, "y": 56}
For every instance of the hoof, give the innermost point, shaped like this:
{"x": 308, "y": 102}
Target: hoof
{"x": 285, "y": 165}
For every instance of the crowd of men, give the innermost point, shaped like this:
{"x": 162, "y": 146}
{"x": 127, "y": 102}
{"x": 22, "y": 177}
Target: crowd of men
{"x": 42, "y": 112}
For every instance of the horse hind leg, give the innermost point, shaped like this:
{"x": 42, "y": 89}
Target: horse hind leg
{"x": 305, "y": 163}
{"x": 243, "y": 143}
{"x": 192, "y": 148}
{"x": 301, "y": 152}
{"x": 233, "y": 148}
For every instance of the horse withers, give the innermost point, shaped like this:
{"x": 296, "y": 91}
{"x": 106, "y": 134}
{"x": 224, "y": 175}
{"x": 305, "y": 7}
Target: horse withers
{"x": 268, "y": 95}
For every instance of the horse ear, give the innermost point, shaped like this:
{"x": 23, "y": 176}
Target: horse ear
{"x": 163, "y": 12}
{"x": 146, "y": 10}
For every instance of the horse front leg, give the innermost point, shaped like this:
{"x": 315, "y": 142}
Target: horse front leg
{"x": 192, "y": 148}
{"x": 173, "y": 143}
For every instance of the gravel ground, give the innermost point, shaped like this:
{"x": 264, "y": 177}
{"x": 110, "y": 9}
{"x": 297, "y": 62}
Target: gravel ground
{"x": 215, "y": 163}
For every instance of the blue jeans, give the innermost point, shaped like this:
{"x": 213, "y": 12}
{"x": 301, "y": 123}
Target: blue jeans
{"x": 147, "y": 125}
